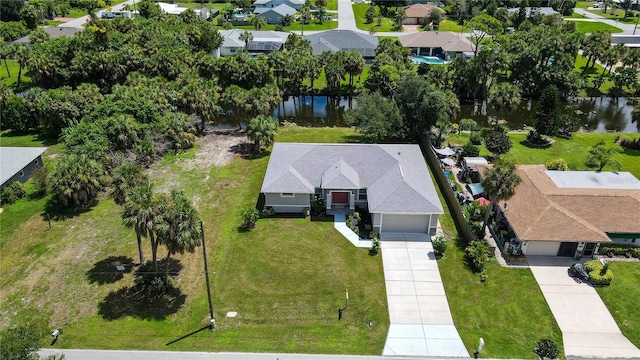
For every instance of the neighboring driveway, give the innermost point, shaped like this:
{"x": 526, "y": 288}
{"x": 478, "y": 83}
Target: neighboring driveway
{"x": 588, "y": 329}
{"x": 420, "y": 319}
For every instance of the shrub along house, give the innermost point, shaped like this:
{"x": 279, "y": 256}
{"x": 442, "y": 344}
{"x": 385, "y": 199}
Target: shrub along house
{"x": 568, "y": 213}
{"x": 17, "y": 163}
{"x": 391, "y": 181}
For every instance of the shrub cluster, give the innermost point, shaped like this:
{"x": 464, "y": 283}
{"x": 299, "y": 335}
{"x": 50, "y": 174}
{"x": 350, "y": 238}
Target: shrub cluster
{"x": 13, "y": 192}
{"x": 630, "y": 144}
{"x": 557, "y": 164}
{"x": 475, "y": 138}
{"x": 439, "y": 245}
{"x": 352, "y": 222}
{"x": 478, "y": 255}
{"x": 599, "y": 274}
{"x": 620, "y": 250}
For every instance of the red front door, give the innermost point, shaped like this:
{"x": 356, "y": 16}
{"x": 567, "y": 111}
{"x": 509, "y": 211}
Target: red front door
{"x": 340, "y": 198}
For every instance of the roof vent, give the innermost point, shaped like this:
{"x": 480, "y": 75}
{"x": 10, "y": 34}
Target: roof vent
{"x": 401, "y": 173}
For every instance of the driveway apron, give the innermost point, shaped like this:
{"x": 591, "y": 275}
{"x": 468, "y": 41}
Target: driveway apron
{"x": 588, "y": 329}
{"x": 420, "y": 319}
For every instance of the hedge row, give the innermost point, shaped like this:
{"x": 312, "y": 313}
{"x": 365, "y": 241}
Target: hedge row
{"x": 620, "y": 250}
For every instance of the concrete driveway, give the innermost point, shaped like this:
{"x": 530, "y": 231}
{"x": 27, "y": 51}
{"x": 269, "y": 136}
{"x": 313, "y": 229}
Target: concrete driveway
{"x": 588, "y": 329}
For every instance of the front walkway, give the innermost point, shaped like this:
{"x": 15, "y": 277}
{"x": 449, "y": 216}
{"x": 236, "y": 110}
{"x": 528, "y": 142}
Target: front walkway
{"x": 588, "y": 329}
{"x": 420, "y": 319}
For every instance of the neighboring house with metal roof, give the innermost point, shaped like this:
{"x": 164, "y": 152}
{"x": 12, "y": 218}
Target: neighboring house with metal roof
{"x": 17, "y": 163}
{"x": 392, "y": 181}
{"x": 343, "y": 40}
{"x": 443, "y": 44}
{"x": 566, "y": 213}
{"x": 263, "y": 42}
{"x": 53, "y": 32}
{"x": 417, "y": 12}
{"x": 296, "y": 4}
{"x": 274, "y": 15}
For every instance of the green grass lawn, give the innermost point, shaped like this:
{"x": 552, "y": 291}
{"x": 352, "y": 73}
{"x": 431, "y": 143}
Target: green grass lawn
{"x": 359, "y": 11}
{"x": 286, "y": 278}
{"x": 76, "y": 13}
{"x": 587, "y": 27}
{"x": 575, "y": 16}
{"x": 508, "y": 311}
{"x": 296, "y": 26}
{"x": 616, "y": 14}
{"x": 584, "y": 4}
{"x": 620, "y": 298}
{"x": 592, "y": 73}
{"x": 452, "y": 25}
{"x": 574, "y": 151}
{"x": 332, "y": 5}
{"x": 13, "y": 70}
{"x": 321, "y": 82}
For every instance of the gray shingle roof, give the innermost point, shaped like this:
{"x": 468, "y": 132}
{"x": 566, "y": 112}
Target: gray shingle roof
{"x": 53, "y": 31}
{"x": 282, "y": 9}
{"x": 395, "y": 176}
{"x": 343, "y": 40}
{"x": 14, "y": 159}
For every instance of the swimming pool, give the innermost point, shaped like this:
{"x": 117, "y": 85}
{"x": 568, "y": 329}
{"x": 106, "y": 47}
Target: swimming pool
{"x": 418, "y": 59}
{"x": 240, "y": 17}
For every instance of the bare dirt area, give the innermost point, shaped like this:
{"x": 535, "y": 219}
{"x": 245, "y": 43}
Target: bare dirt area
{"x": 217, "y": 148}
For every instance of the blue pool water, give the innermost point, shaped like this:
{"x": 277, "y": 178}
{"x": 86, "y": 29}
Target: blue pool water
{"x": 418, "y": 59}
{"x": 239, "y": 16}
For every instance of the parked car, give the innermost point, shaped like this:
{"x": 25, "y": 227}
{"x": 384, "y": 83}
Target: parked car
{"x": 577, "y": 271}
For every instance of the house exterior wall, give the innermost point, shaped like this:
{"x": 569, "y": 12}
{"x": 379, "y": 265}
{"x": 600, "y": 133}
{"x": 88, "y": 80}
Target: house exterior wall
{"x": 229, "y": 51}
{"x": 25, "y": 174}
{"x": 272, "y": 17}
{"x": 544, "y": 248}
{"x": 296, "y": 204}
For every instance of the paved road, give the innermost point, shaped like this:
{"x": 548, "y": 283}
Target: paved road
{"x": 174, "y": 355}
{"x": 588, "y": 329}
{"x": 79, "y": 22}
{"x": 419, "y": 315}
{"x": 627, "y": 29}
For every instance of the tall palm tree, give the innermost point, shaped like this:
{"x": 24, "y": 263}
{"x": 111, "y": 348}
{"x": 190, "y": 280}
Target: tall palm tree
{"x": 262, "y": 130}
{"x": 354, "y": 64}
{"x": 22, "y": 54}
{"x": 247, "y": 37}
{"x": 5, "y": 53}
{"x": 320, "y": 15}
{"x": 505, "y": 97}
{"x": 141, "y": 212}
{"x": 499, "y": 183}
{"x": 180, "y": 229}
{"x": 258, "y": 22}
{"x": 125, "y": 177}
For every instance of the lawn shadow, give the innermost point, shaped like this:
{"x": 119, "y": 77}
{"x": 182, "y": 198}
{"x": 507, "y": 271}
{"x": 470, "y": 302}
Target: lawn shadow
{"x": 141, "y": 303}
{"x": 59, "y": 212}
{"x": 105, "y": 271}
{"x": 591, "y": 92}
{"x": 529, "y": 145}
{"x": 175, "y": 266}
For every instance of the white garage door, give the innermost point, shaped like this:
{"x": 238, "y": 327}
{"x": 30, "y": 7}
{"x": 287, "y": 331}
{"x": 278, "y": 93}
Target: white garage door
{"x": 405, "y": 223}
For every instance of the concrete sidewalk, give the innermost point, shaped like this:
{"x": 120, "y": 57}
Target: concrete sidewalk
{"x": 420, "y": 319}
{"x": 588, "y": 329}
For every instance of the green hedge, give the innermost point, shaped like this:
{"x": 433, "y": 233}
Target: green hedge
{"x": 620, "y": 250}
{"x": 596, "y": 277}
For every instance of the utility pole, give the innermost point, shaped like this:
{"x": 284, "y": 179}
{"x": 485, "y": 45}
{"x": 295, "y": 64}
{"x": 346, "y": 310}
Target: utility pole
{"x": 206, "y": 276}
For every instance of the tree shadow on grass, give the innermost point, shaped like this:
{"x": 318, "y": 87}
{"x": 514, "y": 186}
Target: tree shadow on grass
{"x": 59, "y": 212}
{"x": 105, "y": 271}
{"x": 529, "y": 145}
{"x": 141, "y": 303}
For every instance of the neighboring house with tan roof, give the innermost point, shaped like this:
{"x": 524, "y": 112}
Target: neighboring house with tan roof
{"x": 392, "y": 181}
{"x": 563, "y": 213}
{"x": 416, "y": 12}
{"x": 443, "y": 44}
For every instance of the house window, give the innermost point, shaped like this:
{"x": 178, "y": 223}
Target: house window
{"x": 362, "y": 194}
{"x": 21, "y": 172}
{"x": 36, "y": 161}
{"x": 287, "y": 195}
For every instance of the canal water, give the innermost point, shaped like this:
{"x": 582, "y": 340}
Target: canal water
{"x": 600, "y": 114}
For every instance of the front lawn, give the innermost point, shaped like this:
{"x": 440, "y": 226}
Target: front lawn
{"x": 360, "y": 10}
{"x": 588, "y": 27}
{"x": 616, "y": 14}
{"x": 621, "y": 298}
{"x": 591, "y": 74}
{"x": 13, "y": 71}
{"x": 574, "y": 151}
{"x": 286, "y": 278}
{"x": 508, "y": 311}
{"x": 453, "y": 26}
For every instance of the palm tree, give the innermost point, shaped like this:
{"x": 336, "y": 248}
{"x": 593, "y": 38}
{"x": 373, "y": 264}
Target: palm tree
{"x": 354, "y": 64}
{"x": 125, "y": 177}
{"x": 505, "y": 97}
{"x": 180, "y": 229}
{"x": 499, "y": 183}
{"x": 258, "y": 22}
{"x": 262, "y": 130}
{"x": 76, "y": 180}
{"x": 5, "y": 53}
{"x": 247, "y": 37}
{"x": 632, "y": 58}
{"x": 320, "y": 15}
{"x": 22, "y": 54}
{"x": 141, "y": 213}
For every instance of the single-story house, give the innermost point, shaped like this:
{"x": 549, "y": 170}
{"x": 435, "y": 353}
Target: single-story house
{"x": 296, "y": 4}
{"x": 541, "y": 10}
{"x": 53, "y": 31}
{"x": 343, "y": 40}
{"x": 275, "y": 15}
{"x": 174, "y": 9}
{"x": 443, "y": 44}
{"x": 392, "y": 181}
{"x": 417, "y": 12}
{"x": 263, "y": 42}
{"x": 17, "y": 163}
{"x": 568, "y": 213}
